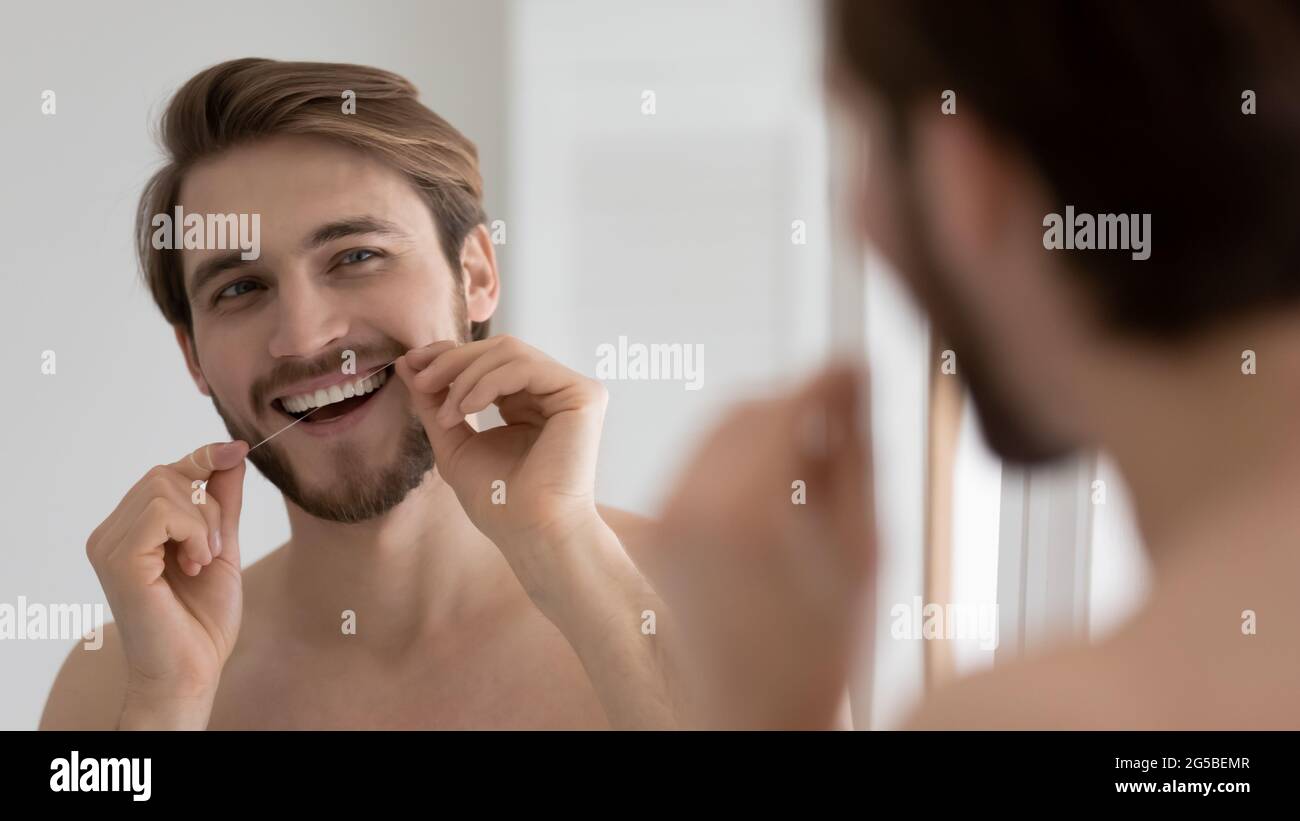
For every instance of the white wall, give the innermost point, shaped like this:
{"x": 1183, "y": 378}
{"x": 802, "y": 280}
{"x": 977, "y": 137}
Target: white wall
{"x": 977, "y": 499}
{"x": 673, "y": 227}
{"x": 897, "y": 340}
{"x": 1120, "y": 571}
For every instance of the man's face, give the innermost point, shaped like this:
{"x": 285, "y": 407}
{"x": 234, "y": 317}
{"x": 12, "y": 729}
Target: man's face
{"x": 350, "y": 261}
{"x": 963, "y": 231}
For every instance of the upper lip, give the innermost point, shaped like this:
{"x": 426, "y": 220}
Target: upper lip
{"x": 322, "y": 382}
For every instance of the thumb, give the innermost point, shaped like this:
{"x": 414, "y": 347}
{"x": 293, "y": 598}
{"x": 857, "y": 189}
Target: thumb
{"x": 445, "y": 441}
{"x": 227, "y": 487}
{"x": 844, "y": 460}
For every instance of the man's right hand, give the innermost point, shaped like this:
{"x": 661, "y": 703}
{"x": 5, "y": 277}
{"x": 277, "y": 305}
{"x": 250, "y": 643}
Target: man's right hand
{"x": 770, "y": 588}
{"x": 168, "y": 559}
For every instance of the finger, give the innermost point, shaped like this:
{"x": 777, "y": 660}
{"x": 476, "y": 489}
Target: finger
{"x": 520, "y": 409}
{"x": 506, "y": 380}
{"x": 202, "y": 462}
{"x": 163, "y": 521}
{"x": 448, "y": 365}
{"x": 160, "y": 482}
{"x": 850, "y": 472}
{"x": 444, "y": 441}
{"x": 468, "y": 379}
{"x": 181, "y": 562}
{"x": 198, "y": 547}
{"x": 829, "y": 430}
{"x": 210, "y": 509}
{"x": 221, "y": 464}
{"x": 831, "y": 454}
{"x": 204, "y": 505}
{"x": 421, "y": 400}
{"x": 209, "y": 463}
{"x": 419, "y": 358}
{"x": 227, "y": 488}
{"x": 531, "y": 383}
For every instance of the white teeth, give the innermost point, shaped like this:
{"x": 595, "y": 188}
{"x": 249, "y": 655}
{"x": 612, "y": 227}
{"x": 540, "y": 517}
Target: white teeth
{"x": 334, "y": 393}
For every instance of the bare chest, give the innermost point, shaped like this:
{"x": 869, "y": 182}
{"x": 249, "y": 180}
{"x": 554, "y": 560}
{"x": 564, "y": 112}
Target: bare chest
{"x": 526, "y": 682}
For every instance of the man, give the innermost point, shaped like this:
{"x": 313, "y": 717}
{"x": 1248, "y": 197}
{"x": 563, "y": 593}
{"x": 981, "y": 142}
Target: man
{"x": 436, "y": 576}
{"x": 1173, "y": 345}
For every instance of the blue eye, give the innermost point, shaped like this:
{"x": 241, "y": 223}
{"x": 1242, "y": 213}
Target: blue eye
{"x": 224, "y": 293}
{"x": 350, "y": 257}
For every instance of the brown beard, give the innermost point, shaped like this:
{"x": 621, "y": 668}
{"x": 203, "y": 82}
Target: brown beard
{"x": 1010, "y": 430}
{"x": 359, "y": 494}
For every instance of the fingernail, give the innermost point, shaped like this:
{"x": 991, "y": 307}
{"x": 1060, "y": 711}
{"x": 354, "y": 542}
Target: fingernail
{"x": 229, "y": 452}
{"x": 215, "y": 542}
{"x": 418, "y": 358}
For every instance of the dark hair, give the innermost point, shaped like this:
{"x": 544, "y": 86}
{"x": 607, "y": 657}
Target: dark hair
{"x": 1123, "y": 107}
{"x": 242, "y": 100}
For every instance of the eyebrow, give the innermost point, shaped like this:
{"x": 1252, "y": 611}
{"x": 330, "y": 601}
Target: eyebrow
{"x": 215, "y": 266}
{"x": 330, "y": 231}
{"x": 351, "y": 226}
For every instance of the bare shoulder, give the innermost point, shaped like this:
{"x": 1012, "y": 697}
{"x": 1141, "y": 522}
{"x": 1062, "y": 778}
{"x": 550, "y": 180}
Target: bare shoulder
{"x": 1121, "y": 683}
{"x": 1043, "y": 694}
{"x": 89, "y": 688}
{"x": 1182, "y": 662}
{"x": 634, "y": 531}
{"x": 625, "y": 522}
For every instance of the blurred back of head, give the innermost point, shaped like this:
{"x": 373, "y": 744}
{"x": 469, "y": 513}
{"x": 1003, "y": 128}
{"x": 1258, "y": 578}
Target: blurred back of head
{"x": 1125, "y": 107}
{"x": 1188, "y": 112}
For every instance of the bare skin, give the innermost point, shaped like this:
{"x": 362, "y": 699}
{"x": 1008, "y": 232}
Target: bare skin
{"x": 500, "y": 664}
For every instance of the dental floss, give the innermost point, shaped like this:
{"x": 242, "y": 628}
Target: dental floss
{"x": 313, "y": 410}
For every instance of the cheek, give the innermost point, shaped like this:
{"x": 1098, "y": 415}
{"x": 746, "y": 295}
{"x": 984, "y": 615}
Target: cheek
{"x": 420, "y": 308}
{"x": 225, "y": 378}
{"x": 878, "y": 222}
{"x": 879, "y": 209}
{"x": 222, "y": 388}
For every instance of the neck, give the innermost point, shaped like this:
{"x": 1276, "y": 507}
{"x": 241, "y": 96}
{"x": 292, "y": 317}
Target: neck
{"x": 422, "y": 568}
{"x": 1211, "y": 454}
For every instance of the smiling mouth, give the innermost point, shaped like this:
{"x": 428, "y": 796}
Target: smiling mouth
{"x": 334, "y": 402}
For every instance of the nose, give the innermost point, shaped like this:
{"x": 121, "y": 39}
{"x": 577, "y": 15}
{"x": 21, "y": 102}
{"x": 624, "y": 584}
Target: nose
{"x": 309, "y": 319}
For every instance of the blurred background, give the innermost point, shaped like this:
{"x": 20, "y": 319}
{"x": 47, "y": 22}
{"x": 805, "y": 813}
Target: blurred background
{"x": 664, "y": 173}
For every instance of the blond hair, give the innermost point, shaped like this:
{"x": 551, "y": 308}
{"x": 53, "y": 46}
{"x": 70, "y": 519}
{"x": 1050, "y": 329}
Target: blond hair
{"x": 243, "y": 100}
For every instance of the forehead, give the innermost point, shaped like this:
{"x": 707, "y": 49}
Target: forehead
{"x": 297, "y": 184}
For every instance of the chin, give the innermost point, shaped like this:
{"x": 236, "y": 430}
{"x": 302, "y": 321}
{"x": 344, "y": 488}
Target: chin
{"x": 347, "y": 482}
{"x": 1010, "y": 433}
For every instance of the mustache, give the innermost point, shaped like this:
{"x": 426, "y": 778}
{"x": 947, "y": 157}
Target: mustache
{"x": 332, "y": 362}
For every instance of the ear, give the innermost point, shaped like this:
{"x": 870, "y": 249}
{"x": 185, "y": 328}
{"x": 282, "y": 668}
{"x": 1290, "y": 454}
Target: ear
{"x": 191, "y": 358}
{"x": 478, "y": 261}
{"x": 968, "y": 184}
